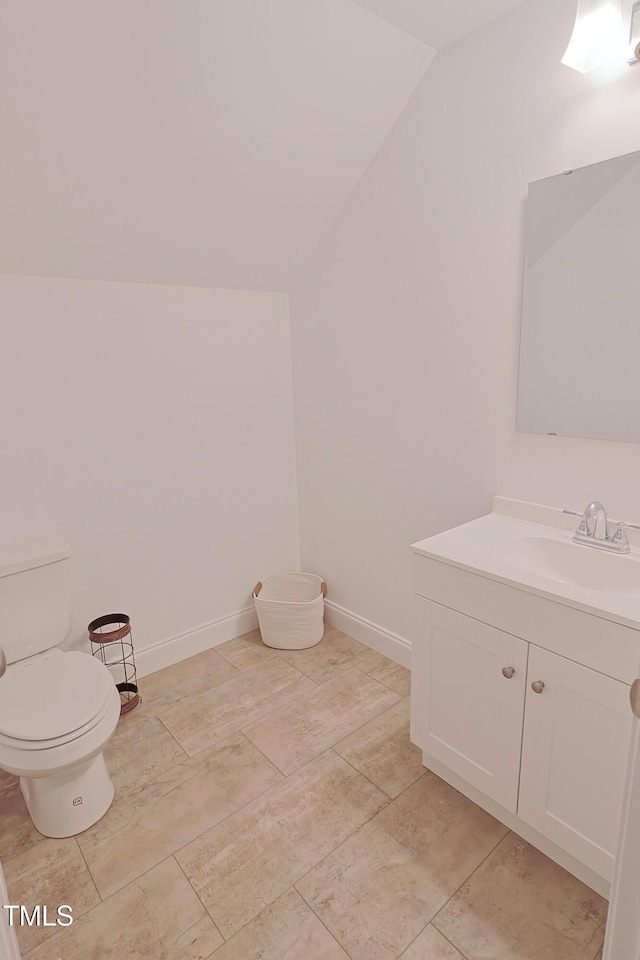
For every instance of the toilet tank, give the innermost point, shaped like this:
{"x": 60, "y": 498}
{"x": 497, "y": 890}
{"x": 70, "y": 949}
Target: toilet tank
{"x": 35, "y": 597}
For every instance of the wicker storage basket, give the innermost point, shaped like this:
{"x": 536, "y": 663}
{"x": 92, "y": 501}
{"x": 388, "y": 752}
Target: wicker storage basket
{"x": 290, "y": 608}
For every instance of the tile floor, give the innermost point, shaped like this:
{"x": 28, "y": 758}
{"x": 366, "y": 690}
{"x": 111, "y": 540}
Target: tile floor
{"x": 269, "y": 806}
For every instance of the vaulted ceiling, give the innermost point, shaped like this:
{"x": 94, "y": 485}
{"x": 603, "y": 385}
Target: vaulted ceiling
{"x": 199, "y": 142}
{"x": 439, "y": 22}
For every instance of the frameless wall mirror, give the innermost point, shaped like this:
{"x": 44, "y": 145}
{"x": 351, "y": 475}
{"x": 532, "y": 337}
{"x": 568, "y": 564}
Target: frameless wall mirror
{"x": 580, "y": 340}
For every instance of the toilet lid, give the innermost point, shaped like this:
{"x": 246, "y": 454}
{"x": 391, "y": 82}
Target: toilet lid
{"x": 49, "y": 697}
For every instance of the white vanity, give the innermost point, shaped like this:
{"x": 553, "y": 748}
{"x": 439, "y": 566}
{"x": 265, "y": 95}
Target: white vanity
{"x": 525, "y": 648}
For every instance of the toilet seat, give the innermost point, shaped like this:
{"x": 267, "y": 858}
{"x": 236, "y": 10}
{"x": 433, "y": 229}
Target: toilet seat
{"x": 52, "y": 699}
{"x": 17, "y": 744}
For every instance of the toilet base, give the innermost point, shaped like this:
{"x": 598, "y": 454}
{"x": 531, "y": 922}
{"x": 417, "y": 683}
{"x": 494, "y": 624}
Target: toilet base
{"x": 62, "y": 806}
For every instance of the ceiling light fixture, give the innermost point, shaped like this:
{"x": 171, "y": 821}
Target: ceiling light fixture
{"x": 597, "y": 37}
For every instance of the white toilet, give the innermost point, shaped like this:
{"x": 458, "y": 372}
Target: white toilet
{"x": 58, "y": 710}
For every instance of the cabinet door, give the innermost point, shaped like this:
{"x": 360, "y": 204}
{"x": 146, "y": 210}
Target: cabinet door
{"x": 574, "y": 757}
{"x": 464, "y": 711}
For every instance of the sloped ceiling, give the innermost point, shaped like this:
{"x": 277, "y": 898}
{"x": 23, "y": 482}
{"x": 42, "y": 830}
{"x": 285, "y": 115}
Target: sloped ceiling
{"x": 198, "y": 142}
{"x": 439, "y": 22}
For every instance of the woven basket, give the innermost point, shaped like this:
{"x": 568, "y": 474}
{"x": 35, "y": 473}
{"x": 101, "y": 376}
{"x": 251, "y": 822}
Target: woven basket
{"x": 290, "y": 608}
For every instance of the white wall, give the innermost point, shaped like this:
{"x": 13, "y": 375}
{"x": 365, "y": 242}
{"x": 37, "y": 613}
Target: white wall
{"x": 406, "y": 325}
{"x": 152, "y": 427}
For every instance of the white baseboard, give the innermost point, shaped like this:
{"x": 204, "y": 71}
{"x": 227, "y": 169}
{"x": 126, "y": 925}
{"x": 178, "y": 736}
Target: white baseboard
{"x": 171, "y": 651}
{"x": 390, "y": 645}
{"x": 165, "y": 654}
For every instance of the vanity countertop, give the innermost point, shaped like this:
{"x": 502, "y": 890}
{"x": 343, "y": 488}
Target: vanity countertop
{"x": 530, "y": 547}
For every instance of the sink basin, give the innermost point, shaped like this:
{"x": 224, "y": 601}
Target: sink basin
{"x": 529, "y": 546}
{"x": 572, "y": 563}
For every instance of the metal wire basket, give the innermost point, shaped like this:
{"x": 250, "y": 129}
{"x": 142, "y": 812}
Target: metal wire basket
{"x": 112, "y": 643}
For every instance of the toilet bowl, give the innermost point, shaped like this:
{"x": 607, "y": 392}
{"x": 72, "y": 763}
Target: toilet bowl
{"x": 58, "y": 710}
{"x": 57, "y": 713}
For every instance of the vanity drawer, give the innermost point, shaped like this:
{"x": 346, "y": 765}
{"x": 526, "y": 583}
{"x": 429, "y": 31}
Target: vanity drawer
{"x": 602, "y": 645}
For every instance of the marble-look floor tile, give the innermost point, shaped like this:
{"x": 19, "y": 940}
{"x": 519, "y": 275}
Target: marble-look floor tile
{"x": 382, "y": 751}
{"x": 246, "y": 651}
{"x": 304, "y": 729}
{"x": 287, "y": 930}
{"x": 335, "y": 653}
{"x": 381, "y": 887}
{"x": 50, "y": 874}
{"x": 178, "y": 683}
{"x": 146, "y": 824}
{"x": 393, "y": 675}
{"x": 157, "y": 917}
{"x": 209, "y": 717}
{"x": 521, "y": 906}
{"x": 244, "y": 864}
{"x": 431, "y": 945}
{"x": 17, "y": 832}
{"x": 7, "y": 780}
{"x": 373, "y": 661}
{"x": 139, "y": 751}
{"x": 377, "y": 885}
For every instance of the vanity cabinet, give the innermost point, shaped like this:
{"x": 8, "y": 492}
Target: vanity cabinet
{"x": 466, "y": 713}
{"x": 574, "y": 757}
{"x": 542, "y": 739}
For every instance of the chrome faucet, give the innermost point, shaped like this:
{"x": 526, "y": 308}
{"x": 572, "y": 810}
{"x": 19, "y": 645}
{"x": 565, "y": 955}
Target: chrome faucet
{"x": 597, "y": 520}
{"x": 593, "y": 530}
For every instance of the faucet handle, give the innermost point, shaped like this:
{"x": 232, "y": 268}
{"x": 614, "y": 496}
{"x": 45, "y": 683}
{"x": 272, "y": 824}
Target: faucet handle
{"x": 620, "y": 536}
{"x": 583, "y": 528}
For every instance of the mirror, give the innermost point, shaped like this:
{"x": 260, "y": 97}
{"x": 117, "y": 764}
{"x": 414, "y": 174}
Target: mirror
{"x": 580, "y": 340}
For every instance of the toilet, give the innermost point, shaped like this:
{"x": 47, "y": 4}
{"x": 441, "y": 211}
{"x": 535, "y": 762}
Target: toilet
{"x": 58, "y": 710}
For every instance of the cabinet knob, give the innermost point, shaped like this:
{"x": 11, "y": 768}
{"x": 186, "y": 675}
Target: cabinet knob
{"x": 537, "y": 686}
{"x": 508, "y": 672}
